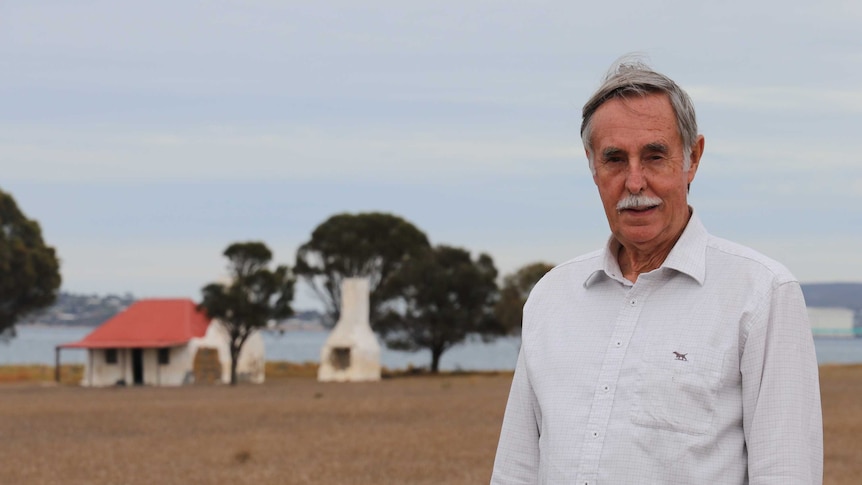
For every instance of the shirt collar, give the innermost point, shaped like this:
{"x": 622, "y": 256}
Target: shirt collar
{"x": 688, "y": 256}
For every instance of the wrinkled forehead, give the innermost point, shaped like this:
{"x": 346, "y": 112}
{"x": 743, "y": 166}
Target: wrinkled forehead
{"x": 649, "y": 118}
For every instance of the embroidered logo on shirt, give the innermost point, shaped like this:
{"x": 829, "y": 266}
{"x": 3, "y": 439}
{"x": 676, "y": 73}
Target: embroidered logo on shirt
{"x": 680, "y": 356}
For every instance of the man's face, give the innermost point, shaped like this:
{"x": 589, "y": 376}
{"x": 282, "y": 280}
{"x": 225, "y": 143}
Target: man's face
{"x": 638, "y": 150}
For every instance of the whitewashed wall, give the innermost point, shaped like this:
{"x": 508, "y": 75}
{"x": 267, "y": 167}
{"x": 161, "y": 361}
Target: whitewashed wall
{"x": 252, "y": 359}
{"x": 179, "y": 369}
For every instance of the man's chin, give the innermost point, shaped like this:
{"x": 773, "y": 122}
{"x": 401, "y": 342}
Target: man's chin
{"x": 637, "y": 234}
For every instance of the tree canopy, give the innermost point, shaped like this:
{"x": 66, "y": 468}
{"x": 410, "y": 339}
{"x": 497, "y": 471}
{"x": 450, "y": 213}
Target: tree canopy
{"x": 437, "y": 300}
{"x": 254, "y": 296}
{"x": 514, "y": 292}
{"x": 371, "y": 245}
{"x": 29, "y": 269}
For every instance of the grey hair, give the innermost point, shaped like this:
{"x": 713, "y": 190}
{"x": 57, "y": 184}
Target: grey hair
{"x": 629, "y": 75}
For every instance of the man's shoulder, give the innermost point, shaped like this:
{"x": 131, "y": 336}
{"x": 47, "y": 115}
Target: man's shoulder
{"x": 572, "y": 272}
{"x": 588, "y": 259}
{"x": 561, "y": 285}
{"x": 736, "y": 255}
{"x": 584, "y": 264}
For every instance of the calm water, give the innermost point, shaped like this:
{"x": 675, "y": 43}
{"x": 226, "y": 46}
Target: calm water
{"x": 35, "y": 345}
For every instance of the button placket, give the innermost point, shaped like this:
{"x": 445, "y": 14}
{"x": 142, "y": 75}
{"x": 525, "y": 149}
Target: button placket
{"x": 608, "y": 375}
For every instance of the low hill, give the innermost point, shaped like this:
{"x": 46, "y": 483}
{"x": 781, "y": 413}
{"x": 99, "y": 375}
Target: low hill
{"x": 82, "y": 310}
{"x": 93, "y": 310}
{"x": 844, "y": 295}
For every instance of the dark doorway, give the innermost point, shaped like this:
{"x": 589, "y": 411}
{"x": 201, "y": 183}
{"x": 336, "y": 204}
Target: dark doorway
{"x": 138, "y": 366}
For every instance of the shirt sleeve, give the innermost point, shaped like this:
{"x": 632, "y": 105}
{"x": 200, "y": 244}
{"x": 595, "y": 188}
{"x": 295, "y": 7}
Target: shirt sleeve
{"x": 781, "y": 393}
{"x": 517, "y": 460}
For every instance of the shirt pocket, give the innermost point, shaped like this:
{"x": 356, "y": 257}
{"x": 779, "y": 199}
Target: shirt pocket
{"x": 677, "y": 388}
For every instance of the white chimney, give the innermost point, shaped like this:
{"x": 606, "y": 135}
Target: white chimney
{"x": 351, "y": 352}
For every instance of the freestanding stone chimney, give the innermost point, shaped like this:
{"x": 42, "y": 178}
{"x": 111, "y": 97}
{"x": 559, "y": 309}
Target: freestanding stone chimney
{"x": 351, "y": 352}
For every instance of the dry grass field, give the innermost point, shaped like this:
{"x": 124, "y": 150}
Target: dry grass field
{"x": 294, "y": 430}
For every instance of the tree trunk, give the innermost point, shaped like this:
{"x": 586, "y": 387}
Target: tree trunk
{"x": 234, "y": 359}
{"x": 435, "y": 360}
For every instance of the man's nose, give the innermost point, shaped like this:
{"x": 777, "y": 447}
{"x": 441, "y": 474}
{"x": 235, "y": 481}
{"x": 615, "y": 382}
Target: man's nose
{"x": 635, "y": 179}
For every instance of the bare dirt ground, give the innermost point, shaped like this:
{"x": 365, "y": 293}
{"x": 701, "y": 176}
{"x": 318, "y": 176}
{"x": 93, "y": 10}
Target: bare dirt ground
{"x": 841, "y": 395}
{"x": 408, "y": 430}
{"x": 404, "y": 430}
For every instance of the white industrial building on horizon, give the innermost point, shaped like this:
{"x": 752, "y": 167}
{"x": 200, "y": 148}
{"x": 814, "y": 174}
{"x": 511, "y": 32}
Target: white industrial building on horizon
{"x": 833, "y": 322}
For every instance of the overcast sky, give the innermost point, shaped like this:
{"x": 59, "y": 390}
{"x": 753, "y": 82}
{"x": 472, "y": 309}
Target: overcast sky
{"x": 145, "y": 137}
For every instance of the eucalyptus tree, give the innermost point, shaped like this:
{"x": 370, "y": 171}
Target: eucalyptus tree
{"x": 254, "y": 296}
{"x": 29, "y": 268}
{"x": 371, "y": 245}
{"x": 438, "y": 300}
{"x": 514, "y": 292}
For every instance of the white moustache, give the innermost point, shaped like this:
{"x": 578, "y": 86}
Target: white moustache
{"x": 639, "y": 201}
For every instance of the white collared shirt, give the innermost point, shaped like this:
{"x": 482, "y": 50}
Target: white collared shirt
{"x": 701, "y": 372}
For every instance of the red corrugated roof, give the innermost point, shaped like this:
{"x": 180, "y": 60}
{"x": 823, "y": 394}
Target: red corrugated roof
{"x": 148, "y": 323}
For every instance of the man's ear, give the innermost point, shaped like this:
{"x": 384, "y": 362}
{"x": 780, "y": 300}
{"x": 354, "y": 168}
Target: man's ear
{"x": 696, "y": 153}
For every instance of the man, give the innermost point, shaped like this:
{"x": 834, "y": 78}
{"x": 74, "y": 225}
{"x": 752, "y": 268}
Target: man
{"x": 670, "y": 356}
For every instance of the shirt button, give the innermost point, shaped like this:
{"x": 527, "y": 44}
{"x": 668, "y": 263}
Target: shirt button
{"x": 606, "y": 388}
{"x": 619, "y": 343}
{"x": 633, "y": 302}
{"x": 595, "y": 434}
